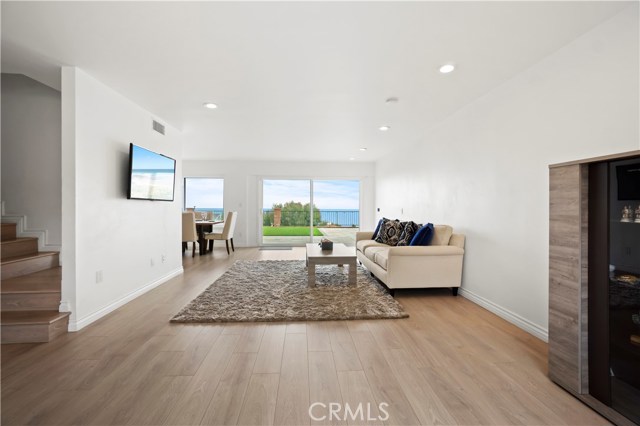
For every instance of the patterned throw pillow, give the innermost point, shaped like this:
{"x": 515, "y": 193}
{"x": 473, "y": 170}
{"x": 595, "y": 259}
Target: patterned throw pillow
{"x": 389, "y": 232}
{"x": 409, "y": 229}
{"x": 377, "y": 231}
{"x": 378, "y": 235}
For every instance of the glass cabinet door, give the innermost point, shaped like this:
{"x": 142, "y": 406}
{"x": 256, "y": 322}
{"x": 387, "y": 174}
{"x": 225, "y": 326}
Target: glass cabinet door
{"x": 624, "y": 287}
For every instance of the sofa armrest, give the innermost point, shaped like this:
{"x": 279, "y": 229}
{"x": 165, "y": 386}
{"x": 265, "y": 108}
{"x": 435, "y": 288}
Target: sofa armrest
{"x": 457, "y": 240}
{"x": 364, "y": 235}
{"x": 425, "y": 251}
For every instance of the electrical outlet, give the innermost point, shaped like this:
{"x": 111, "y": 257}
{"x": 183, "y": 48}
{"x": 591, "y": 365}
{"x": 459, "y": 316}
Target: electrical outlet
{"x": 163, "y": 257}
{"x": 151, "y": 262}
{"x": 98, "y": 277}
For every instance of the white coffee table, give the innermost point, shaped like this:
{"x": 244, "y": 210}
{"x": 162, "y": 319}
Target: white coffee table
{"x": 340, "y": 255}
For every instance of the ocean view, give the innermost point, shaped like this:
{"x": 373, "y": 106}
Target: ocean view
{"x": 341, "y": 217}
{"x": 152, "y": 183}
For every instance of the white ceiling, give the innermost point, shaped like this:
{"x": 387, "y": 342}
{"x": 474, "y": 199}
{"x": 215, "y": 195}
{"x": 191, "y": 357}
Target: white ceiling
{"x": 292, "y": 80}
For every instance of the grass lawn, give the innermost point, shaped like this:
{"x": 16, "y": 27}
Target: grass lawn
{"x": 289, "y": 231}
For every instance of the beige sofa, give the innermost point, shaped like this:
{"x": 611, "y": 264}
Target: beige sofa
{"x": 435, "y": 265}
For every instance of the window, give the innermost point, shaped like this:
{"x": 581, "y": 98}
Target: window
{"x": 206, "y": 195}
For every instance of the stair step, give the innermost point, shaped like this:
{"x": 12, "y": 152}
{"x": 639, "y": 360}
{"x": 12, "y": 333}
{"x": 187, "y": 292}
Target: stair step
{"x": 18, "y": 247}
{"x": 31, "y": 318}
{"x": 23, "y": 265}
{"x": 8, "y": 231}
{"x": 33, "y": 326}
{"x": 41, "y": 281}
{"x": 14, "y": 302}
{"x": 37, "y": 291}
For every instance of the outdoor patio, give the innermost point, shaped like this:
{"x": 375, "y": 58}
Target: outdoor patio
{"x": 345, "y": 235}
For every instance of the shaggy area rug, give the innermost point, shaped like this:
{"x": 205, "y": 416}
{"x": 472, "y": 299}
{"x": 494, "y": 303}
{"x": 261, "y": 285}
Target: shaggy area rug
{"x": 276, "y": 290}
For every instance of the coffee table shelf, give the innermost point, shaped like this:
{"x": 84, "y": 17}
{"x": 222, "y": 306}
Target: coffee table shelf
{"x": 340, "y": 255}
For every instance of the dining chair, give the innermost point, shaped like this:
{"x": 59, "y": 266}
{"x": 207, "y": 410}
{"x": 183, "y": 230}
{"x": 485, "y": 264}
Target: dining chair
{"x": 227, "y": 232}
{"x": 189, "y": 233}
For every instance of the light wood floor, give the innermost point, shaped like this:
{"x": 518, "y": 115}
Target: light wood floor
{"x": 451, "y": 362}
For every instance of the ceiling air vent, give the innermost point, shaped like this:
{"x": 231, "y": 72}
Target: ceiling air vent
{"x": 158, "y": 127}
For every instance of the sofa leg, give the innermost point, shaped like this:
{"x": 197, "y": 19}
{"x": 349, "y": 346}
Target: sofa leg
{"x": 454, "y": 290}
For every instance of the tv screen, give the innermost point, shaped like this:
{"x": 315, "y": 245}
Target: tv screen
{"x": 151, "y": 175}
{"x": 628, "y": 181}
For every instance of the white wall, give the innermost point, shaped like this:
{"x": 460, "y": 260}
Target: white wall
{"x": 31, "y": 156}
{"x": 102, "y": 230}
{"x": 484, "y": 170}
{"x": 241, "y": 188}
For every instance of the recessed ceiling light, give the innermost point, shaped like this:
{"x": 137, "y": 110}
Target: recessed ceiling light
{"x": 447, "y": 68}
{"x": 391, "y": 100}
{"x": 210, "y": 105}
{"x": 363, "y": 149}
{"x": 384, "y": 128}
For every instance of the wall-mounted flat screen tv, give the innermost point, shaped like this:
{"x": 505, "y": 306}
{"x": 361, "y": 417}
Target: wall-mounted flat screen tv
{"x": 151, "y": 175}
{"x": 628, "y": 181}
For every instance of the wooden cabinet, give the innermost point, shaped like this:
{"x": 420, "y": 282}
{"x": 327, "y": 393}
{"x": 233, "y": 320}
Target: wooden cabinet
{"x": 567, "y": 285}
{"x": 577, "y": 218}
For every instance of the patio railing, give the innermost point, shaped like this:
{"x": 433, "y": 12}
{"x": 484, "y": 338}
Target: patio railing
{"x": 321, "y": 217}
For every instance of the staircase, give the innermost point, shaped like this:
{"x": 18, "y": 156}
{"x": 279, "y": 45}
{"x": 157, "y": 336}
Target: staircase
{"x": 30, "y": 289}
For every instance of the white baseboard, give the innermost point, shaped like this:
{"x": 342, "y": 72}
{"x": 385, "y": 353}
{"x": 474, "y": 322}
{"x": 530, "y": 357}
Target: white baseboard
{"x": 78, "y": 324}
{"x": 22, "y": 230}
{"x": 513, "y": 318}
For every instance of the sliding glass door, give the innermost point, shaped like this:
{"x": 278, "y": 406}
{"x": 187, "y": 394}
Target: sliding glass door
{"x": 299, "y": 211}
{"x": 338, "y": 204}
{"x": 286, "y": 211}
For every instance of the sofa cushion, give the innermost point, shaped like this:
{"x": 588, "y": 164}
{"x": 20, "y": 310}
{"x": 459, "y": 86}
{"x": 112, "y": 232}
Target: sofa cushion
{"x": 371, "y": 252}
{"x": 409, "y": 229}
{"x": 363, "y": 244}
{"x": 423, "y": 236}
{"x": 389, "y": 232}
{"x": 441, "y": 235}
{"x": 382, "y": 258}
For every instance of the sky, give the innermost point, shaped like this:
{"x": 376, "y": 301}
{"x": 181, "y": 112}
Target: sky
{"x": 328, "y": 194}
{"x": 204, "y": 193}
{"x": 145, "y": 159}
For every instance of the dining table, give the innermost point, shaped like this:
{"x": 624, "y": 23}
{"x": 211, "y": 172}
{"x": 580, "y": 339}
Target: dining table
{"x": 202, "y": 227}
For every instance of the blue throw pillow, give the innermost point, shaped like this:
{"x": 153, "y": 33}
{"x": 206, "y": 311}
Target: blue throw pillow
{"x": 423, "y": 236}
{"x": 375, "y": 233}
